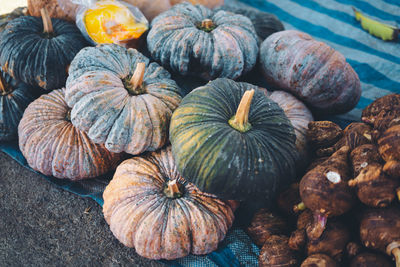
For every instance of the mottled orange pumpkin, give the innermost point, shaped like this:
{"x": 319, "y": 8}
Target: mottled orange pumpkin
{"x": 53, "y": 146}
{"x": 150, "y": 207}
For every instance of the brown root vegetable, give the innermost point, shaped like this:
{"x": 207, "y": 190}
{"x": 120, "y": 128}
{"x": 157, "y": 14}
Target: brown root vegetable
{"x": 319, "y": 260}
{"x": 368, "y": 259}
{"x": 264, "y": 225}
{"x": 276, "y": 252}
{"x": 304, "y": 219}
{"x": 373, "y": 187}
{"x": 323, "y": 133}
{"x": 288, "y": 198}
{"x": 325, "y": 191}
{"x": 316, "y": 162}
{"x": 389, "y": 149}
{"x": 354, "y": 135}
{"x": 380, "y": 230}
{"x": 332, "y": 242}
{"x": 381, "y": 105}
{"x": 363, "y": 156}
{"x": 353, "y": 249}
{"x": 297, "y": 239}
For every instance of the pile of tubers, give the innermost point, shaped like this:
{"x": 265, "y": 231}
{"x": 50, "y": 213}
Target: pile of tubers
{"x": 345, "y": 209}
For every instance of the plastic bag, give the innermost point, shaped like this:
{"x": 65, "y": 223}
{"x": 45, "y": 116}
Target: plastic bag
{"x": 109, "y": 21}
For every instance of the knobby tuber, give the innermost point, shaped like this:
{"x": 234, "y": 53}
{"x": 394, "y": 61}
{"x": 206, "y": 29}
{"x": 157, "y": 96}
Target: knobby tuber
{"x": 288, "y": 198}
{"x": 276, "y": 252}
{"x": 368, "y": 259}
{"x": 325, "y": 191}
{"x": 389, "y": 149}
{"x": 380, "y": 230}
{"x": 321, "y": 134}
{"x": 265, "y": 224}
{"x": 319, "y": 260}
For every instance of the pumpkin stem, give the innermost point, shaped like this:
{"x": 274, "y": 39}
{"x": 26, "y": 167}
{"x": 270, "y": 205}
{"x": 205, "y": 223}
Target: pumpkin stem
{"x": 172, "y": 190}
{"x": 299, "y": 207}
{"x": 241, "y": 119}
{"x": 136, "y": 81}
{"x": 47, "y": 25}
{"x": 207, "y": 25}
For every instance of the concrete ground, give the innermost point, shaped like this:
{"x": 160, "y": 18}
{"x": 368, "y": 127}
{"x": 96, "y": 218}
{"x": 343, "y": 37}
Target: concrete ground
{"x": 42, "y": 225}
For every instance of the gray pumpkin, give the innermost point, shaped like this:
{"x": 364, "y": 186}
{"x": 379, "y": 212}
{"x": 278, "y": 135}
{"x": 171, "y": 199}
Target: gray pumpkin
{"x": 264, "y": 23}
{"x": 194, "y": 40}
{"x": 14, "y": 98}
{"x": 118, "y": 103}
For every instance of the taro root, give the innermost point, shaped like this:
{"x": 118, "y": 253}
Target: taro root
{"x": 288, "y": 198}
{"x": 353, "y": 249}
{"x": 389, "y": 149}
{"x": 380, "y": 230}
{"x": 325, "y": 191}
{"x": 316, "y": 162}
{"x": 298, "y": 238}
{"x": 373, "y": 187}
{"x": 332, "y": 242}
{"x": 368, "y": 259}
{"x": 264, "y": 225}
{"x": 363, "y": 156}
{"x": 319, "y": 260}
{"x": 354, "y": 135}
{"x": 276, "y": 252}
{"x": 323, "y": 133}
{"x": 385, "y": 104}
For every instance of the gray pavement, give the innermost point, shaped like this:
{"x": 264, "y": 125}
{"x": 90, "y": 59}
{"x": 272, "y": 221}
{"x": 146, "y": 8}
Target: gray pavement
{"x": 42, "y": 225}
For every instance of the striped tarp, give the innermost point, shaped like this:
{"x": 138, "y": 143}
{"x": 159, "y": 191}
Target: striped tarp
{"x": 376, "y": 62}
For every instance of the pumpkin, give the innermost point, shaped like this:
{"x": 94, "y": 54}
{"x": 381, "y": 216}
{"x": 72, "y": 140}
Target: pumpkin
{"x": 240, "y": 154}
{"x": 264, "y": 23}
{"x": 300, "y": 116}
{"x": 311, "y": 70}
{"x": 194, "y": 40}
{"x": 39, "y": 53}
{"x": 53, "y": 146}
{"x": 154, "y": 7}
{"x": 150, "y": 206}
{"x": 54, "y": 7}
{"x": 5, "y": 18}
{"x": 120, "y": 99}
{"x": 14, "y": 98}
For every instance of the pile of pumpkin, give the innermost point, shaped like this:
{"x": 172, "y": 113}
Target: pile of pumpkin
{"x": 195, "y": 157}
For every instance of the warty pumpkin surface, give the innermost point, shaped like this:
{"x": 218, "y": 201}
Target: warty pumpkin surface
{"x": 194, "y": 40}
{"x": 150, "y": 206}
{"x": 53, "y": 146}
{"x": 229, "y": 161}
{"x": 39, "y": 55}
{"x": 311, "y": 70}
{"x": 119, "y": 104}
{"x": 14, "y": 98}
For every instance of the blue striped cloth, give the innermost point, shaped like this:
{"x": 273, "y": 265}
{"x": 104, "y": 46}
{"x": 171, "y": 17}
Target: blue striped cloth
{"x": 331, "y": 21}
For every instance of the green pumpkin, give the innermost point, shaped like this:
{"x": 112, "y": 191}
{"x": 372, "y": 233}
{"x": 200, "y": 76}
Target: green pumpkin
{"x": 217, "y": 150}
{"x": 39, "y": 54}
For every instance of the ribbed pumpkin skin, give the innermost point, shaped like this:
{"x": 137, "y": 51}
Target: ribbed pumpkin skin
{"x": 53, "y": 146}
{"x": 140, "y": 215}
{"x": 5, "y": 18}
{"x": 27, "y": 55}
{"x": 223, "y": 161}
{"x": 12, "y": 106}
{"x": 103, "y": 108}
{"x": 227, "y": 51}
{"x": 311, "y": 70}
{"x": 264, "y": 23}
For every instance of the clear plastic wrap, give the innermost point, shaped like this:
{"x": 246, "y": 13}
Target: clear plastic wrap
{"x": 109, "y": 21}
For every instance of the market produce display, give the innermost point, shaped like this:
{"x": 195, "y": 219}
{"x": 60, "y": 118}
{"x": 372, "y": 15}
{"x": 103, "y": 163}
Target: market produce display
{"x": 311, "y": 70}
{"x": 14, "y": 98}
{"x": 38, "y": 52}
{"x": 120, "y": 99}
{"x": 232, "y": 141}
{"x": 198, "y": 41}
{"x": 53, "y": 146}
{"x": 325, "y": 195}
{"x": 150, "y": 206}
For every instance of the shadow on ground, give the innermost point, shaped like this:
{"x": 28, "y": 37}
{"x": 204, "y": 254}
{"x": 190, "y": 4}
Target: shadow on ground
{"x": 42, "y": 225}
